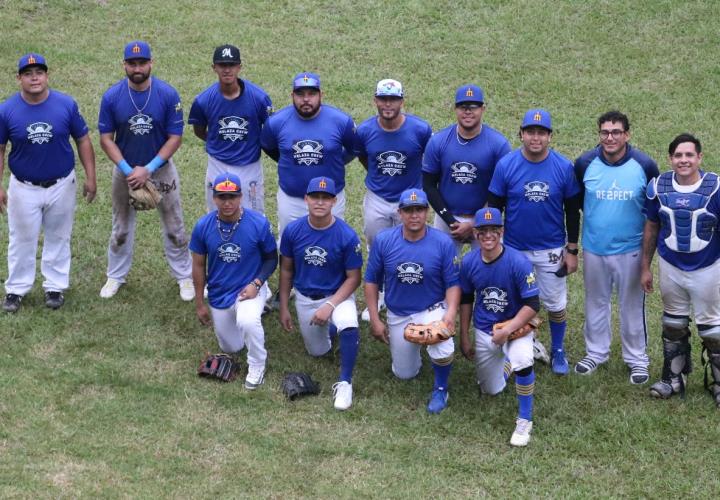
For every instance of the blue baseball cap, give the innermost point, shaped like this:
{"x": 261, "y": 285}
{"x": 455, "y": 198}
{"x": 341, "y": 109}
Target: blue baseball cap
{"x": 226, "y": 183}
{"x": 321, "y": 185}
{"x": 537, "y": 118}
{"x": 413, "y": 198}
{"x": 306, "y": 80}
{"x": 488, "y": 217}
{"x": 389, "y": 88}
{"x": 31, "y": 59}
{"x": 469, "y": 93}
{"x": 137, "y": 50}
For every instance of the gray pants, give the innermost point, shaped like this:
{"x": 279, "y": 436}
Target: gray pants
{"x": 602, "y": 274}
{"x": 122, "y": 238}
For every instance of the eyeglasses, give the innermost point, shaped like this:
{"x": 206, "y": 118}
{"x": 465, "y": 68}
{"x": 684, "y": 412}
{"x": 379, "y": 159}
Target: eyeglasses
{"x": 469, "y": 107}
{"x": 616, "y": 133}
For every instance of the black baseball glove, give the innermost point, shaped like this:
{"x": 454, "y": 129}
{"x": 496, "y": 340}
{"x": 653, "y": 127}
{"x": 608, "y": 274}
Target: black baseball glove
{"x": 298, "y": 384}
{"x": 218, "y": 366}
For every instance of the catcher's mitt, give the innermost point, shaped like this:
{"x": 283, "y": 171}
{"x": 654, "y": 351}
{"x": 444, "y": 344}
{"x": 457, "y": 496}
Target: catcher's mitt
{"x": 298, "y": 384}
{"x": 531, "y": 325}
{"x": 428, "y": 334}
{"x": 219, "y": 366}
{"x": 145, "y": 198}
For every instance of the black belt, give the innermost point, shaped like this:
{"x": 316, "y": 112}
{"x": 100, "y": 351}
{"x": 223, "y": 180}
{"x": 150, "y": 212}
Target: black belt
{"x": 43, "y": 184}
{"x": 316, "y": 297}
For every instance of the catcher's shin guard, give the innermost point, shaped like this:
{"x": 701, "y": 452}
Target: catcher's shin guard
{"x": 676, "y": 363}
{"x": 711, "y": 359}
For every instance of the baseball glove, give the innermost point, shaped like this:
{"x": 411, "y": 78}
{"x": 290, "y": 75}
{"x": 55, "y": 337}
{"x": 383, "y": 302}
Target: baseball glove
{"x": 531, "y": 325}
{"x": 219, "y": 366}
{"x": 145, "y": 198}
{"x": 428, "y": 334}
{"x": 298, "y": 384}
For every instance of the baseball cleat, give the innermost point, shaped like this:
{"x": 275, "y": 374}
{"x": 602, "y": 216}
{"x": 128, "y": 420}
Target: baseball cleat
{"x": 110, "y": 288}
{"x": 187, "y": 289}
{"x": 255, "y": 377}
{"x": 12, "y": 302}
{"x": 540, "y": 353}
{"x": 559, "y": 363}
{"x": 639, "y": 375}
{"x": 585, "y": 366}
{"x": 438, "y": 401}
{"x": 664, "y": 389}
{"x": 521, "y": 436}
{"x": 342, "y": 392}
{"x": 54, "y": 300}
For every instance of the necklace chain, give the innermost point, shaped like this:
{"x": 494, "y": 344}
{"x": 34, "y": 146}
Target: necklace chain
{"x": 227, "y": 234}
{"x": 140, "y": 110}
{"x": 465, "y": 142}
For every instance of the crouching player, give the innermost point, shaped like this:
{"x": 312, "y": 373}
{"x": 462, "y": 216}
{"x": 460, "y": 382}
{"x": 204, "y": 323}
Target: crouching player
{"x": 238, "y": 250}
{"x": 501, "y": 282}
{"x": 321, "y": 257}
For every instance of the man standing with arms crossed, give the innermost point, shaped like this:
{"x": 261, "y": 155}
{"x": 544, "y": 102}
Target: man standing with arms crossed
{"x": 537, "y": 186}
{"x": 39, "y": 122}
{"x": 458, "y": 164}
{"x": 613, "y": 177}
{"x": 141, "y": 126}
{"x": 228, "y": 116}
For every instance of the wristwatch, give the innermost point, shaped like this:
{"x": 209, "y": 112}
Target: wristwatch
{"x": 572, "y": 251}
{"x": 258, "y": 284}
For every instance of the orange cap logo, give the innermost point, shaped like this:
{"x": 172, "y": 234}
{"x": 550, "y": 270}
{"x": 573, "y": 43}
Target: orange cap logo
{"x": 413, "y": 196}
{"x": 537, "y": 117}
{"x": 322, "y": 184}
{"x": 227, "y": 186}
{"x": 488, "y": 215}
{"x": 305, "y": 78}
{"x": 469, "y": 93}
{"x": 136, "y": 49}
{"x": 31, "y": 59}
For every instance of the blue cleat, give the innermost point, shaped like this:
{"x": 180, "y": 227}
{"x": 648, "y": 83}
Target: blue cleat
{"x": 438, "y": 401}
{"x": 559, "y": 363}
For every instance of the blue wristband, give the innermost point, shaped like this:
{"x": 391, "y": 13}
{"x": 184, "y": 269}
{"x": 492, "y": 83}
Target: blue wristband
{"x": 125, "y": 167}
{"x": 154, "y": 164}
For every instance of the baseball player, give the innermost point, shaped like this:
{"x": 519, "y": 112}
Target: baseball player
{"x": 320, "y": 255}
{"x": 614, "y": 176}
{"x": 141, "y": 126}
{"x": 537, "y": 187}
{"x": 308, "y": 139}
{"x": 501, "y": 282}
{"x": 228, "y": 116}
{"x": 458, "y": 164}
{"x": 38, "y": 122}
{"x": 683, "y": 209}
{"x": 390, "y": 147}
{"x": 418, "y": 267}
{"x": 234, "y": 253}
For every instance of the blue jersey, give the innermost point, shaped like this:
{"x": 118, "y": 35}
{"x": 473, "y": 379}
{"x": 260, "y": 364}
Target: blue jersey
{"x": 500, "y": 286}
{"x": 394, "y": 159}
{"x": 40, "y": 136}
{"x": 689, "y": 220}
{"x": 233, "y": 125}
{"x": 465, "y": 167}
{"x": 142, "y": 124}
{"x": 321, "y": 256}
{"x": 414, "y": 274}
{"x": 614, "y": 197}
{"x": 535, "y": 193}
{"x": 310, "y": 148}
{"x": 232, "y": 264}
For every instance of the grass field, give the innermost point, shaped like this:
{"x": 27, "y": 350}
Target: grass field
{"x": 100, "y": 398}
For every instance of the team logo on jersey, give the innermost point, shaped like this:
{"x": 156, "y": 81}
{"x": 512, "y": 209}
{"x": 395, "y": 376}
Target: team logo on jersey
{"x": 39, "y": 132}
{"x": 233, "y": 128}
{"x": 410, "y": 273}
{"x": 308, "y": 152}
{"x": 178, "y": 107}
{"x": 530, "y": 279}
{"x": 316, "y": 256}
{"x": 494, "y": 299}
{"x": 463, "y": 172}
{"x": 358, "y": 248}
{"x": 391, "y": 163}
{"x": 140, "y": 124}
{"x": 537, "y": 191}
{"x": 229, "y": 252}
{"x": 682, "y": 203}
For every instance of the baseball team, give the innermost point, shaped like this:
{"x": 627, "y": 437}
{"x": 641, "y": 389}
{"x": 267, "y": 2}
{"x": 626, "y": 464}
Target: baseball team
{"x": 518, "y": 210}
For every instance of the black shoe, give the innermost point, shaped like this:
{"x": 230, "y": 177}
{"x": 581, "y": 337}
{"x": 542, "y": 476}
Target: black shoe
{"x": 11, "y": 303}
{"x": 54, "y": 300}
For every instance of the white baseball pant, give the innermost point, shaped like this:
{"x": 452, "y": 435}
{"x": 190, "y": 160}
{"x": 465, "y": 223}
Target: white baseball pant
{"x": 378, "y": 214}
{"x": 438, "y": 223}
{"x": 553, "y": 290}
{"x": 251, "y": 180}
{"x": 699, "y": 289}
{"x": 490, "y": 360}
{"x": 291, "y": 208}
{"x": 315, "y": 337}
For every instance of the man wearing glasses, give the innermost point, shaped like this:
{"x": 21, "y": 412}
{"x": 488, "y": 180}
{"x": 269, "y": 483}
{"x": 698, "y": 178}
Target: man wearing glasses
{"x": 614, "y": 176}
{"x": 458, "y": 164}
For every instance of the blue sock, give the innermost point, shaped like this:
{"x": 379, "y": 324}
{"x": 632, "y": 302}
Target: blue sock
{"x": 557, "y": 334}
{"x": 349, "y": 345}
{"x": 442, "y": 374}
{"x": 332, "y": 331}
{"x": 524, "y": 387}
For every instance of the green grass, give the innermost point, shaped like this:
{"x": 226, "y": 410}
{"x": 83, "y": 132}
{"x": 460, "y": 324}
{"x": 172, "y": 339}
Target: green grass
{"x": 100, "y": 398}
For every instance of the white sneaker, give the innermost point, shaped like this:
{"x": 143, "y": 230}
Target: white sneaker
{"x": 110, "y": 288}
{"x": 205, "y": 292}
{"x": 342, "y": 392}
{"x": 187, "y": 289}
{"x": 540, "y": 353}
{"x": 255, "y": 377}
{"x": 365, "y": 316}
{"x": 521, "y": 436}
